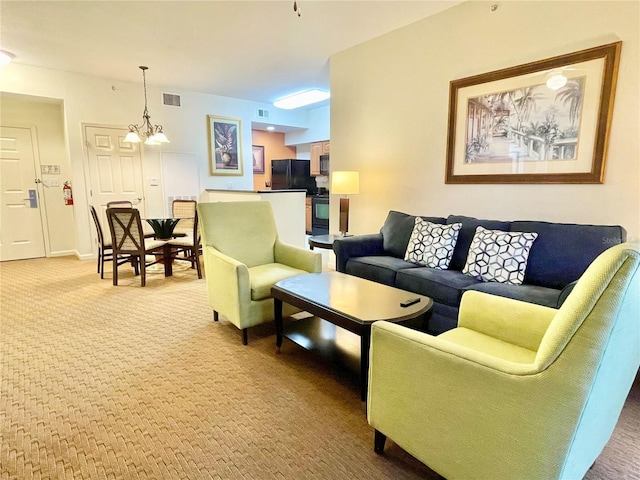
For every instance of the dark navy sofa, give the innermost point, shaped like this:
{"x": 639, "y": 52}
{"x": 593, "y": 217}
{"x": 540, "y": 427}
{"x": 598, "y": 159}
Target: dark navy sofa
{"x": 558, "y": 257}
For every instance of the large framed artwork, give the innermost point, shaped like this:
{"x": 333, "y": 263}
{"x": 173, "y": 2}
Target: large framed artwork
{"x": 225, "y": 145}
{"x": 542, "y": 122}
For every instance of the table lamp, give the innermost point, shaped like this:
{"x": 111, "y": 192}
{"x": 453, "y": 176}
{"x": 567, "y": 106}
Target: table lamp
{"x": 345, "y": 183}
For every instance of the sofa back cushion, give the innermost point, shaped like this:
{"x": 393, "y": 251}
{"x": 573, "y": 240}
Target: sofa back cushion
{"x": 397, "y": 229}
{"x": 465, "y": 236}
{"x": 563, "y": 251}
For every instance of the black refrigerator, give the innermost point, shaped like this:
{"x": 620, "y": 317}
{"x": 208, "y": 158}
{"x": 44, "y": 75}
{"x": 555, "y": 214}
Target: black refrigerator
{"x": 290, "y": 174}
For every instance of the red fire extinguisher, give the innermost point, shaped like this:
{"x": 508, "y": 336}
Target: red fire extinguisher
{"x": 68, "y": 194}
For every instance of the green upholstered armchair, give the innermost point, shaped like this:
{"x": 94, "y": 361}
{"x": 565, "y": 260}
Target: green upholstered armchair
{"x": 243, "y": 258}
{"x": 517, "y": 391}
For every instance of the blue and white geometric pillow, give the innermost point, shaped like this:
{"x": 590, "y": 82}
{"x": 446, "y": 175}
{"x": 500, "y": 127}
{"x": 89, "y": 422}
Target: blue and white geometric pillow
{"x": 496, "y": 256}
{"x": 432, "y": 244}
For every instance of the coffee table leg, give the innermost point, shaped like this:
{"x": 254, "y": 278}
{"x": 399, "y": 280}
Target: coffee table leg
{"x": 365, "y": 340}
{"x": 277, "y": 310}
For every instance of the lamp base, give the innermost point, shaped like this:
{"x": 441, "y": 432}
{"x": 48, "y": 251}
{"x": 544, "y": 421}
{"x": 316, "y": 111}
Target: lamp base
{"x": 344, "y": 216}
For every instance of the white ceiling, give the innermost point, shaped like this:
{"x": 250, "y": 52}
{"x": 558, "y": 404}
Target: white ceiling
{"x": 254, "y": 50}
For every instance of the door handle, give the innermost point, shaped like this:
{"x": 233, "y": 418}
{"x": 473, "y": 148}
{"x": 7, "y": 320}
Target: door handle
{"x": 33, "y": 199}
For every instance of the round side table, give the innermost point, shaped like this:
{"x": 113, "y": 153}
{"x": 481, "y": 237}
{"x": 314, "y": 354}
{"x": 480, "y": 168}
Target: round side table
{"x": 323, "y": 241}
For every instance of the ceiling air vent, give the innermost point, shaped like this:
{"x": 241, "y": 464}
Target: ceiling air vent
{"x": 171, "y": 99}
{"x": 263, "y": 113}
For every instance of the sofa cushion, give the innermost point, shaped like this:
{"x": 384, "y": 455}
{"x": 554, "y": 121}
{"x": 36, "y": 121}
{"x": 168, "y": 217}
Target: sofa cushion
{"x": 468, "y": 230}
{"x": 379, "y": 268}
{"x": 497, "y": 256}
{"x": 397, "y": 229}
{"x": 443, "y": 286}
{"x": 562, "y": 252}
{"x": 549, "y": 297}
{"x": 431, "y": 245}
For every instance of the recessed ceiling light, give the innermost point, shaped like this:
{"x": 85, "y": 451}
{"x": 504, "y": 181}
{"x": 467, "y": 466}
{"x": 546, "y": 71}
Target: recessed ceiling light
{"x": 301, "y": 99}
{"x": 5, "y": 57}
{"x": 271, "y": 128}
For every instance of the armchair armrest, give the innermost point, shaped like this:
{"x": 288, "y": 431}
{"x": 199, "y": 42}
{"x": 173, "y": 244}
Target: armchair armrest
{"x": 228, "y": 282}
{"x": 513, "y": 321}
{"x": 356, "y": 246}
{"x": 297, "y": 257}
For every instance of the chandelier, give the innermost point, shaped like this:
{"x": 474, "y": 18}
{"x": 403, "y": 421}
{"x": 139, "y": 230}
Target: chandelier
{"x": 154, "y": 133}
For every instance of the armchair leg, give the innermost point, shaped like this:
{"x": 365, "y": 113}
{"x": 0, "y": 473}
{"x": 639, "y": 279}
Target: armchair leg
{"x": 378, "y": 442}
{"x": 244, "y": 336}
{"x": 215, "y": 316}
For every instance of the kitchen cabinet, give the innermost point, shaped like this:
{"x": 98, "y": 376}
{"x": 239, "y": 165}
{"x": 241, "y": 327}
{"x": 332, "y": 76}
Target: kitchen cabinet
{"x": 316, "y": 149}
{"x": 308, "y": 216}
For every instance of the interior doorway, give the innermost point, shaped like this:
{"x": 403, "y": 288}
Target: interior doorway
{"x": 21, "y": 219}
{"x": 115, "y": 169}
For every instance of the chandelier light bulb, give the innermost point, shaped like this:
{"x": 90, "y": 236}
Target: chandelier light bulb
{"x": 132, "y": 137}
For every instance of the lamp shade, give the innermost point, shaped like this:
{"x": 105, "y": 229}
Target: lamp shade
{"x": 345, "y": 183}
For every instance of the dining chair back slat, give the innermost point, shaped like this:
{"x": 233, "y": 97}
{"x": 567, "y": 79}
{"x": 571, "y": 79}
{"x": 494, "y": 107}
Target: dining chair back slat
{"x": 186, "y": 211}
{"x": 128, "y": 240}
{"x": 190, "y": 245}
{"x": 120, "y": 204}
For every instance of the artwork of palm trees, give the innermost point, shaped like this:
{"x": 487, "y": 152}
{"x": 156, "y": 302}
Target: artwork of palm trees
{"x": 226, "y": 145}
{"x": 532, "y": 123}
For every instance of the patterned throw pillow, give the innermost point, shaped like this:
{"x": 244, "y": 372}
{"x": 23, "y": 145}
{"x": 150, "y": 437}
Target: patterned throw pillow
{"x": 496, "y": 256}
{"x": 432, "y": 244}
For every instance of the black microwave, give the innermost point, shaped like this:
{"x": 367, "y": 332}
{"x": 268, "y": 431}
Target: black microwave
{"x": 324, "y": 164}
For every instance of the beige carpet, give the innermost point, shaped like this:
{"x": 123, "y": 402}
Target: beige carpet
{"x": 128, "y": 382}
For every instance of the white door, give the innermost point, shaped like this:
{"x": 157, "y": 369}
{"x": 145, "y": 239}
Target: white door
{"x": 115, "y": 170}
{"x": 21, "y": 231}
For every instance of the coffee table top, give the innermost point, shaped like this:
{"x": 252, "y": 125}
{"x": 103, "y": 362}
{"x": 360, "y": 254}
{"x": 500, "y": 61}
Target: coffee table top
{"x": 361, "y": 301}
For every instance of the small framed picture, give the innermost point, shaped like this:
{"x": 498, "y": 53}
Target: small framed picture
{"x": 258, "y": 159}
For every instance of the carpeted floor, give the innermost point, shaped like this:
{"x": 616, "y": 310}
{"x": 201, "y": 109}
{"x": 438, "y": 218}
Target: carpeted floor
{"x": 128, "y": 382}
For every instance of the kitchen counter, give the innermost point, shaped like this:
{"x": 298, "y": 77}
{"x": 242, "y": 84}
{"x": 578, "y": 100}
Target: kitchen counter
{"x": 296, "y": 190}
{"x": 288, "y": 209}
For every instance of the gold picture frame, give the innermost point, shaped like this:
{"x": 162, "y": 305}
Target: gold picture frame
{"x": 510, "y": 126}
{"x": 225, "y": 145}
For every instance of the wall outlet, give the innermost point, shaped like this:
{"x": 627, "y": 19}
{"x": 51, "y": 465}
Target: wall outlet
{"x": 230, "y": 185}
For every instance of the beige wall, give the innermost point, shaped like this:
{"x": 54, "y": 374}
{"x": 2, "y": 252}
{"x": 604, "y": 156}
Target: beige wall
{"x": 389, "y": 111}
{"x": 47, "y": 118}
{"x": 86, "y": 100}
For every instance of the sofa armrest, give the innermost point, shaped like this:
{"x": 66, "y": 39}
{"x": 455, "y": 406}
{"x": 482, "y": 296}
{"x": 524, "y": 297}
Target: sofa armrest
{"x": 356, "y": 246}
{"x": 513, "y": 321}
{"x": 565, "y": 293}
{"x": 298, "y": 257}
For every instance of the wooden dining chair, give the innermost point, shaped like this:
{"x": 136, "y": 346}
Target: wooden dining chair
{"x": 148, "y": 231}
{"x": 129, "y": 242}
{"x": 105, "y": 249}
{"x": 190, "y": 245}
{"x": 185, "y": 210}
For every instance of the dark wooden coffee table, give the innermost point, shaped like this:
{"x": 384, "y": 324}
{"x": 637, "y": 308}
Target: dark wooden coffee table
{"x": 349, "y": 302}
